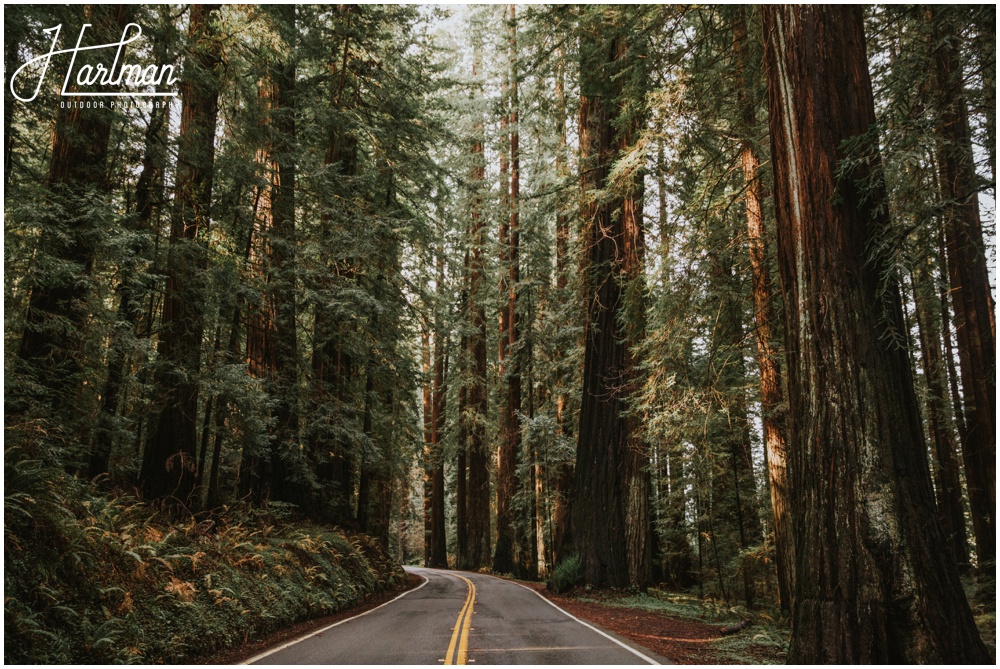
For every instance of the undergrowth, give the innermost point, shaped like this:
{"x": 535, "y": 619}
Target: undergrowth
{"x": 767, "y": 639}
{"x": 764, "y": 642}
{"x": 568, "y": 573}
{"x": 91, "y": 579}
{"x": 981, "y": 593}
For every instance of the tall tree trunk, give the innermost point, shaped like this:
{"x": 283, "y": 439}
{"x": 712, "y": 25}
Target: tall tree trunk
{"x": 598, "y": 514}
{"x": 132, "y": 289}
{"x": 971, "y": 297}
{"x": 533, "y": 559}
{"x": 563, "y": 476}
{"x": 271, "y": 338}
{"x": 636, "y": 482}
{"x": 281, "y": 267}
{"x": 946, "y": 472}
{"x": 428, "y": 416}
{"x": 461, "y": 464}
{"x": 462, "y": 474}
{"x": 211, "y": 402}
{"x": 380, "y": 500}
{"x": 50, "y": 351}
{"x": 439, "y": 543}
{"x": 478, "y": 504}
{"x": 771, "y": 392}
{"x": 604, "y": 492}
{"x": 506, "y": 557}
{"x": 168, "y": 466}
{"x": 881, "y": 586}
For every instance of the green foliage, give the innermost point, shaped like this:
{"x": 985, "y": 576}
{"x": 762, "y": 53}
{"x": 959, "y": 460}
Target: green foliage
{"x": 568, "y": 573}
{"x": 96, "y": 579}
{"x": 987, "y": 624}
{"x": 385, "y": 112}
{"x": 764, "y": 642}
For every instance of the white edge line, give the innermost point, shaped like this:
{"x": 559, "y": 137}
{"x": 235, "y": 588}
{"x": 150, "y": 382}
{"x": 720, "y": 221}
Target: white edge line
{"x": 585, "y": 624}
{"x": 329, "y": 627}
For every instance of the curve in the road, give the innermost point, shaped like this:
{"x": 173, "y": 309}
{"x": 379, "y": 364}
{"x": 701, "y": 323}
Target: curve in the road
{"x": 459, "y": 618}
{"x": 462, "y": 628}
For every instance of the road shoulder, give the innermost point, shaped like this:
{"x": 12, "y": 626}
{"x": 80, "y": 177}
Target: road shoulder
{"x": 659, "y": 635}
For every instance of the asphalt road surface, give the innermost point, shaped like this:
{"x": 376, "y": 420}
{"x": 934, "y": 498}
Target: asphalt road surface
{"x": 460, "y": 618}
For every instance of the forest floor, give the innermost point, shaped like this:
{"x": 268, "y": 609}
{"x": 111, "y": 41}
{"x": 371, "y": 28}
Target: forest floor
{"x": 982, "y": 596}
{"x": 681, "y": 627}
{"x": 676, "y": 626}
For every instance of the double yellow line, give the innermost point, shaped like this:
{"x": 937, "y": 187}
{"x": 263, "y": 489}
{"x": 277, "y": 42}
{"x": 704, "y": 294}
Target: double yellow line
{"x": 460, "y": 635}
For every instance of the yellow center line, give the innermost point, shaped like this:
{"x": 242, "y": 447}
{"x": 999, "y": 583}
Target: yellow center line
{"x": 460, "y": 634}
{"x": 463, "y": 644}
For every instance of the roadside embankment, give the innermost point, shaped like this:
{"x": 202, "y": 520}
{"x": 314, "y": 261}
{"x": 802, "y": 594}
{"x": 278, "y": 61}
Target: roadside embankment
{"x": 91, "y": 579}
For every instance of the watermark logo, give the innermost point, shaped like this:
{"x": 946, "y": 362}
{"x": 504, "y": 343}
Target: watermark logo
{"x": 118, "y": 74}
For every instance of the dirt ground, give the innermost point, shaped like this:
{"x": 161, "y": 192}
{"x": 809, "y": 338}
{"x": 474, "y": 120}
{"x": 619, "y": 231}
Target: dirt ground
{"x": 679, "y": 640}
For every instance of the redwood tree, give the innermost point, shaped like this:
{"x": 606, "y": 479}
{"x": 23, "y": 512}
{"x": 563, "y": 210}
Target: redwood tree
{"x": 562, "y": 483}
{"x": 477, "y": 450}
{"x": 881, "y": 586}
{"x": 771, "y": 390}
{"x": 605, "y": 534}
{"x": 57, "y": 308}
{"x": 168, "y": 465}
{"x": 506, "y": 558}
{"x": 970, "y": 288}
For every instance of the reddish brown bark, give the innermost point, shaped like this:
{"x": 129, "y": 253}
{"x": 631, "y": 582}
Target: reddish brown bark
{"x": 439, "y": 551}
{"x": 462, "y": 473}
{"x": 478, "y": 502}
{"x": 507, "y": 554}
{"x": 271, "y": 326}
{"x": 771, "y": 391}
{"x": 882, "y": 586}
{"x": 428, "y": 455}
{"x": 461, "y": 460}
{"x": 282, "y": 270}
{"x": 562, "y": 484}
{"x": 637, "y": 484}
{"x": 605, "y": 484}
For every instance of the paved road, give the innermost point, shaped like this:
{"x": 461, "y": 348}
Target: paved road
{"x": 459, "y": 618}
